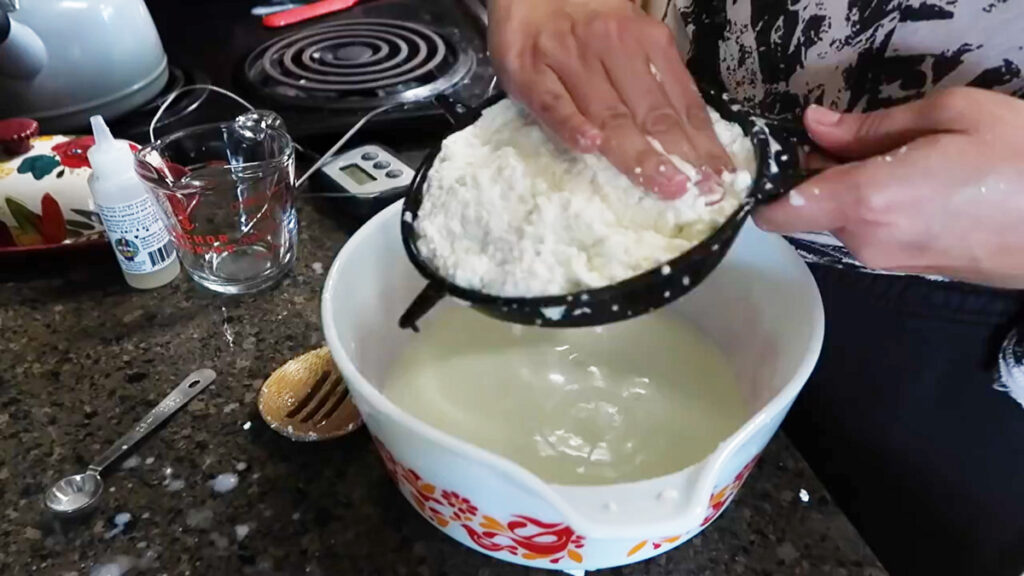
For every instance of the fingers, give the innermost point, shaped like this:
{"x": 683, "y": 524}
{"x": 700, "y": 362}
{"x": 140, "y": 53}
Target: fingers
{"x": 820, "y": 204}
{"x": 681, "y": 91}
{"x": 863, "y": 135}
{"x": 622, "y": 142}
{"x": 857, "y": 196}
{"x": 554, "y": 107}
{"x": 816, "y": 162}
{"x": 646, "y": 100}
{"x": 606, "y": 79}
{"x": 628, "y": 149}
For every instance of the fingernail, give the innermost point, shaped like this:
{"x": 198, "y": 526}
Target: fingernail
{"x": 711, "y": 192}
{"x": 672, "y": 186}
{"x": 589, "y": 141}
{"x": 710, "y": 175}
{"x": 762, "y": 217}
{"x": 822, "y": 116}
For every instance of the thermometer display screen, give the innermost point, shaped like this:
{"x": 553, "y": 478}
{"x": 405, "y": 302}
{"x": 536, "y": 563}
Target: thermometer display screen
{"x": 358, "y": 175}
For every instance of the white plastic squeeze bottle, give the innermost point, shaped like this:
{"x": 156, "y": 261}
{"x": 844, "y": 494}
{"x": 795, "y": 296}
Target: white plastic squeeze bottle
{"x": 140, "y": 240}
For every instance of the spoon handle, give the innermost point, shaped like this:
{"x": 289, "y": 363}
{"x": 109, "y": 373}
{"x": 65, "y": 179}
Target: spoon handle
{"x": 192, "y": 385}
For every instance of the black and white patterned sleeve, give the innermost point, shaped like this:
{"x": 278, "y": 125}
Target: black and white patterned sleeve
{"x": 1010, "y": 377}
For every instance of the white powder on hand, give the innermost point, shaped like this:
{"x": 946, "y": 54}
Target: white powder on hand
{"x": 508, "y": 211}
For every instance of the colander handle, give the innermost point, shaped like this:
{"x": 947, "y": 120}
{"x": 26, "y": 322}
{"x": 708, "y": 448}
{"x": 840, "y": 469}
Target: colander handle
{"x": 787, "y": 142}
{"x": 462, "y": 115}
{"x": 459, "y": 114}
{"x": 792, "y": 147}
{"x": 433, "y": 293}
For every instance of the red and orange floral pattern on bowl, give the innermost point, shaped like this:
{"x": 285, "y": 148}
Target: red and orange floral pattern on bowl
{"x": 520, "y": 535}
{"x": 719, "y": 500}
{"x": 523, "y": 536}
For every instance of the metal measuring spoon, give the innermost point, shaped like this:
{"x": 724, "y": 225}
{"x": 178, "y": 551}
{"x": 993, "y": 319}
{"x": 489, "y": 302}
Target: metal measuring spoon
{"x": 306, "y": 399}
{"x": 76, "y": 494}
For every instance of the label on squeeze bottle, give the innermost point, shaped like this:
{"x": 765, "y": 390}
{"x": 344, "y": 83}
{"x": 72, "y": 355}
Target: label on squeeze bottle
{"x": 138, "y": 236}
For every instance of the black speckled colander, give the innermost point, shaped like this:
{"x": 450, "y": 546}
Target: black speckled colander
{"x": 780, "y": 150}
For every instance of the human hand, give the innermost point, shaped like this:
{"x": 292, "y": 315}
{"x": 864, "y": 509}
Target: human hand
{"x": 935, "y": 187}
{"x": 603, "y": 76}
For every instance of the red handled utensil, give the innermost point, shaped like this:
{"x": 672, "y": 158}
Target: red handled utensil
{"x": 307, "y": 12}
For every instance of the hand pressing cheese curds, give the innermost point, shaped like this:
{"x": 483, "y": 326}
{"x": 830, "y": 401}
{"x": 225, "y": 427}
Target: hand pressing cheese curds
{"x": 508, "y": 211}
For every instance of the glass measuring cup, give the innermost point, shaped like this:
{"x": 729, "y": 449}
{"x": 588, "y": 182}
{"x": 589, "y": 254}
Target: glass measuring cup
{"x": 227, "y": 196}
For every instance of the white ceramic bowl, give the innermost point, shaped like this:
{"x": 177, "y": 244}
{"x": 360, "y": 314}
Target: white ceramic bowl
{"x": 761, "y": 306}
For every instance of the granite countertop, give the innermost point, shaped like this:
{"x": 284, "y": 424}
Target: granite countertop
{"x": 84, "y": 357}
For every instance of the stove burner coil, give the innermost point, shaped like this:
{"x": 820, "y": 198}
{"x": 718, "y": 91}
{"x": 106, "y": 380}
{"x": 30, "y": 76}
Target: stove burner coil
{"x": 357, "y": 63}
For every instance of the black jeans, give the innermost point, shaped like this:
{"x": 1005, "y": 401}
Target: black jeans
{"x": 902, "y": 424}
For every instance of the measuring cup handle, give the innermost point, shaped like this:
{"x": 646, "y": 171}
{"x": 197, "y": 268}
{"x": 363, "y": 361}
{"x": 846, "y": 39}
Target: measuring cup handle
{"x": 192, "y": 385}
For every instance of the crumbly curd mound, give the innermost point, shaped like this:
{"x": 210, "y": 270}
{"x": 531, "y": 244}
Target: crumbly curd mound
{"x": 508, "y": 211}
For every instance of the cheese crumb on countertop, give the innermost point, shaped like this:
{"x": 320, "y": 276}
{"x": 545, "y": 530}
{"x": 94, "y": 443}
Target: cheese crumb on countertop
{"x": 508, "y": 211}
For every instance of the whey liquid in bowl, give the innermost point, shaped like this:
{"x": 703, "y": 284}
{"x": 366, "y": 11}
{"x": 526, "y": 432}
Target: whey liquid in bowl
{"x": 624, "y": 402}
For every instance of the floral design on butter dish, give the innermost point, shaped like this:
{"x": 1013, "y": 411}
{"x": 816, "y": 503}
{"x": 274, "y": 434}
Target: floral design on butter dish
{"x": 74, "y": 153}
{"x": 47, "y": 226}
{"x": 44, "y": 200}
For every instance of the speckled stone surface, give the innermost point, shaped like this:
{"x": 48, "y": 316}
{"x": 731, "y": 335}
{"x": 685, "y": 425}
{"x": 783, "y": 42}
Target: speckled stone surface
{"x": 83, "y": 357}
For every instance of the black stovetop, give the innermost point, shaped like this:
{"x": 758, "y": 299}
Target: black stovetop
{"x": 216, "y": 37}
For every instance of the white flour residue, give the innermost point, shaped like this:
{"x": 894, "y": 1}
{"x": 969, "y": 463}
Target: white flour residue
{"x": 119, "y": 566}
{"x": 655, "y": 73}
{"x": 508, "y": 211}
{"x": 218, "y": 540}
{"x": 121, "y": 520}
{"x": 201, "y": 518}
{"x": 130, "y": 462}
{"x": 227, "y": 329}
{"x": 553, "y": 313}
{"x": 224, "y": 483}
{"x": 170, "y": 482}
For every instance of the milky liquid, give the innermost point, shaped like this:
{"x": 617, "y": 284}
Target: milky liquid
{"x": 625, "y": 402}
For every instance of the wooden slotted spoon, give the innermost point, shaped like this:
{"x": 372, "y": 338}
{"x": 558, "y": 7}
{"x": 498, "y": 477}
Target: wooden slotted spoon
{"x": 306, "y": 399}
